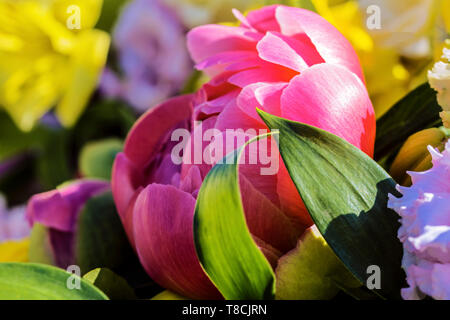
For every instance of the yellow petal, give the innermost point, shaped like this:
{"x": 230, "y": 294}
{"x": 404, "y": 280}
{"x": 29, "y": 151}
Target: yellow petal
{"x": 446, "y": 13}
{"x": 88, "y": 10}
{"x": 14, "y": 251}
{"x": 414, "y": 155}
{"x": 85, "y": 67}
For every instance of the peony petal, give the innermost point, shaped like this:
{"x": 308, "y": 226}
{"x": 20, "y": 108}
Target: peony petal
{"x": 332, "y": 98}
{"x": 206, "y": 41}
{"x": 265, "y": 73}
{"x": 264, "y": 19}
{"x": 290, "y": 201}
{"x": 287, "y": 52}
{"x": 265, "y": 96}
{"x": 123, "y": 183}
{"x": 329, "y": 42}
{"x": 266, "y": 221}
{"x": 163, "y": 230}
{"x": 59, "y": 209}
{"x": 152, "y": 128}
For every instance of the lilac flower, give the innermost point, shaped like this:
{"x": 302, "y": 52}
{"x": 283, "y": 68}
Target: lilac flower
{"x": 13, "y": 225}
{"x": 152, "y": 53}
{"x": 425, "y": 231}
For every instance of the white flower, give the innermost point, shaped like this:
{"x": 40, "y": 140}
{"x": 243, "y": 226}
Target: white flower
{"x": 439, "y": 79}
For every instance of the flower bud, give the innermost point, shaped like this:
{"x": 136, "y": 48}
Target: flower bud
{"x": 414, "y": 156}
{"x": 54, "y": 216}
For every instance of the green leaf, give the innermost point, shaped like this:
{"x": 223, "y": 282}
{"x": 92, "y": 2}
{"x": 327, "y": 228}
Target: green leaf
{"x": 40, "y": 250}
{"x": 346, "y": 194}
{"x": 418, "y": 110}
{"x": 224, "y": 244}
{"x": 29, "y": 281}
{"x": 100, "y": 239}
{"x": 113, "y": 285}
{"x": 97, "y": 158}
{"x": 168, "y": 295}
{"x": 305, "y": 4}
{"x": 311, "y": 271}
{"x": 110, "y": 12}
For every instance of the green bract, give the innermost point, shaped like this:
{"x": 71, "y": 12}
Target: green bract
{"x": 29, "y": 281}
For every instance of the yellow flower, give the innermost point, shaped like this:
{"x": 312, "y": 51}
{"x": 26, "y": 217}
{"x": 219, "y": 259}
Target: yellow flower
{"x": 14, "y": 251}
{"x": 387, "y": 79}
{"x": 197, "y": 12}
{"x": 49, "y": 56}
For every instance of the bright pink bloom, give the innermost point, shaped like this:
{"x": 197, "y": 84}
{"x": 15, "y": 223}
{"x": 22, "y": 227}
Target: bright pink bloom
{"x": 287, "y": 61}
{"x": 58, "y": 210}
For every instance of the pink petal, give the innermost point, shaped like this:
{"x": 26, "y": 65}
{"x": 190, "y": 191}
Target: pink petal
{"x": 193, "y": 153}
{"x": 290, "y": 201}
{"x": 59, "y": 209}
{"x": 273, "y": 48}
{"x": 264, "y": 19}
{"x": 206, "y": 41}
{"x": 332, "y": 98}
{"x": 123, "y": 183}
{"x": 265, "y": 73}
{"x": 265, "y": 220}
{"x": 146, "y": 135}
{"x": 265, "y": 96}
{"x": 329, "y": 42}
{"x": 163, "y": 230}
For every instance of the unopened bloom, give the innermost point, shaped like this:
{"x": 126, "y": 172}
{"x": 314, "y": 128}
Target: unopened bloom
{"x": 47, "y": 59}
{"x": 425, "y": 231}
{"x": 58, "y": 210}
{"x": 287, "y": 61}
{"x": 152, "y": 55}
{"x": 414, "y": 155}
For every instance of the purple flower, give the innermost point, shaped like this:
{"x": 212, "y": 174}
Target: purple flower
{"x": 153, "y": 57}
{"x": 58, "y": 210}
{"x": 425, "y": 231}
{"x": 13, "y": 225}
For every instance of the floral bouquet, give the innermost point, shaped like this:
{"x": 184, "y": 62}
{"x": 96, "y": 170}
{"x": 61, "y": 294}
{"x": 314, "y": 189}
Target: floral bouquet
{"x": 238, "y": 150}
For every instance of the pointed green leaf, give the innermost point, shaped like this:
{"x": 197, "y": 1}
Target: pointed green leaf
{"x": 113, "y": 285}
{"x": 418, "y": 110}
{"x": 29, "y": 281}
{"x": 346, "y": 193}
{"x": 100, "y": 239}
{"x": 224, "y": 244}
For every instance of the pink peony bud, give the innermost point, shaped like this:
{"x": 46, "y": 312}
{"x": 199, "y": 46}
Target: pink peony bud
{"x": 287, "y": 61}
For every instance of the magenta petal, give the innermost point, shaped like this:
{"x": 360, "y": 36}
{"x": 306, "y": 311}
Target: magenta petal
{"x": 59, "y": 209}
{"x": 265, "y": 220}
{"x": 163, "y": 231}
{"x": 332, "y": 98}
{"x": 123, "y": 186}
{"x": 329, "y": 42}
{"x": 147, "y": 134}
